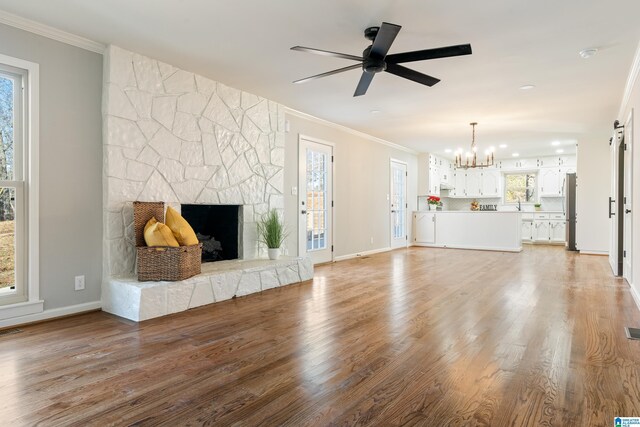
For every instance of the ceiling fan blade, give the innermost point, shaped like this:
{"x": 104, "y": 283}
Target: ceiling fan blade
{"x": 421, "y": 55}
{"x": 385, "y": 37}
{"x": 364, "y": 83}
{"x": 412, "y": 75}
{"x": 326, "y": 53}
{"x": 329, "y": 73}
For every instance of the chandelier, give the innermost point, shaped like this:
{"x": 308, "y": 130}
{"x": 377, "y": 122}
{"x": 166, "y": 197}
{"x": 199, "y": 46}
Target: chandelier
{"x": 471, "y": 157}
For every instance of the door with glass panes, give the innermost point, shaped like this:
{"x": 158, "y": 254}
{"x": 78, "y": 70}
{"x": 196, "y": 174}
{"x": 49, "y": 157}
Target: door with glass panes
{"x": 315, "y": 203}
{"x": 398, "y": 202}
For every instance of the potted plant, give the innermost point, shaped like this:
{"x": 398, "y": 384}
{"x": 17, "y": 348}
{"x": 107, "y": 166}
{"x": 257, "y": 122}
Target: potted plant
{"x": 433, "y": 202}
{"x": 272, "y": 232}
{"x": 538, "y": 206}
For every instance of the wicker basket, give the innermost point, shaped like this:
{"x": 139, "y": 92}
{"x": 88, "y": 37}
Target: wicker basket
{"x": 162, "y": 263}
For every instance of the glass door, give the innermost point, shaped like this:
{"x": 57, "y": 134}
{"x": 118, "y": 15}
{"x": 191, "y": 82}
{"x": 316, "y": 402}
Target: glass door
{"x": 316, "y": 201}
{"x": 398, "y": 199}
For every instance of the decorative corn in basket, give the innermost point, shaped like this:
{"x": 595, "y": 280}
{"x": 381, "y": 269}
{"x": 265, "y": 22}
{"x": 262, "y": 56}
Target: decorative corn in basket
{"x": 162, "y": 262}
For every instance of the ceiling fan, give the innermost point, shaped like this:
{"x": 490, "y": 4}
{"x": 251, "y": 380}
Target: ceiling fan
{"x": 374, "y": 58}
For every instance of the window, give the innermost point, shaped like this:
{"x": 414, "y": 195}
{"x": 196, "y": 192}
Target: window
{"x": 12, "y": 186}
{"x": 19, "y": 133}
{"x": 520, "y": 187}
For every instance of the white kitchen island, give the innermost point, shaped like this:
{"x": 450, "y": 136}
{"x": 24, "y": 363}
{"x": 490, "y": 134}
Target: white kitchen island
{"x": 483, "y": 230}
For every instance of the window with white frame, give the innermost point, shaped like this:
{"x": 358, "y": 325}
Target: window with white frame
{"x": 520, "y": 187}
{"x": 13, "y": 185}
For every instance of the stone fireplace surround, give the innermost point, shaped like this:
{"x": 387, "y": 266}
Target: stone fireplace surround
{"x": 173, "y": 136}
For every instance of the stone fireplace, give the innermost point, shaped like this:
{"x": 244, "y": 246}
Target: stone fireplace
{"x": 205, "y": 149}
{"x": 218, "y": 229}
{"x": 177, "y": 137}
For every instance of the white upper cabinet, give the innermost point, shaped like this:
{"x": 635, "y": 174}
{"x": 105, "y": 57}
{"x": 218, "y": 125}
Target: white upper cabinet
{"x": 459, "y": 183}
{"x": 446, "y": 172}
{"x": 434, "y": 180}
{"x": 527, "y": 163}
{"x": 473, "y": 183}
{"x": 550, "y": 182}
{"x": 490, "y": 183}
{"x": 567, "y": 161}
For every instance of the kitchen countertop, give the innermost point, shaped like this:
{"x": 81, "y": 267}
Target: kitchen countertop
{"x": 467, "y": 211}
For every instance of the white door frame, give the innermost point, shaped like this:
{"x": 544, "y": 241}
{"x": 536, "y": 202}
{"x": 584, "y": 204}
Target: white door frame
{"x": 627, "y": 261}
{"x": 406, "y": 191}
{"x": 615, "y": 220}
{"x": 302, "y": 249}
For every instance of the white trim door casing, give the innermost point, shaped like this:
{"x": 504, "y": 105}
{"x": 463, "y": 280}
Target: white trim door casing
{"x": 398, "y": 204}
{"x": 613, "y": 203}
{"x": 315, "y": 199}
{"x": 627, "y": 245}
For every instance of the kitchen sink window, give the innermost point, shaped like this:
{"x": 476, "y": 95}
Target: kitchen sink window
{"x": 520, "y": 187}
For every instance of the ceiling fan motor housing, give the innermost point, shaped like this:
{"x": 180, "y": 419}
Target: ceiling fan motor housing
{"x": 372, "y": 64}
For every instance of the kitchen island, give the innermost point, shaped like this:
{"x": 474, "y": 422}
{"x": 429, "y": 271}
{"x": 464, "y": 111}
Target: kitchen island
{"x": 483, "y": 230}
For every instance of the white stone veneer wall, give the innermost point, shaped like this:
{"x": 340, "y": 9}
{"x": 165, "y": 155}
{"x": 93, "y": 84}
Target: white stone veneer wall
{"x": 173, "y": 136}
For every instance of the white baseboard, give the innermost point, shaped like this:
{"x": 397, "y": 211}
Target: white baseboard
{"x": 588, "y": 252}
{"x": 635, "y": 295}
{"x": 51, "y": 314}
{"x": 359, "y": 254}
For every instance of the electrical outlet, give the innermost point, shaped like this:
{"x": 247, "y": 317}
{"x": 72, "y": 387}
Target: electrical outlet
{"x": 79, "y": 283}
{"x": 372, "y": 240}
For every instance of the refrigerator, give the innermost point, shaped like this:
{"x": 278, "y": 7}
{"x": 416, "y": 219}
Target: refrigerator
{"x": 570, "y": 209}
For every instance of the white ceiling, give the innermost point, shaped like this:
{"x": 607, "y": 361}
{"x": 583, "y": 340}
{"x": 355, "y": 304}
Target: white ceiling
{"x": 245, "y": 44}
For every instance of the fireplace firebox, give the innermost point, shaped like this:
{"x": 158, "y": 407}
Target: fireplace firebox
{"x": 219, "y": 229}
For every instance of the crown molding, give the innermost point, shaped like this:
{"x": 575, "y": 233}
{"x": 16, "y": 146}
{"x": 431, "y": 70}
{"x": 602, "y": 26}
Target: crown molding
{"x": 631, "y": 80}
{"x": 50, "y": 32}
{"x": 348, "y": 130}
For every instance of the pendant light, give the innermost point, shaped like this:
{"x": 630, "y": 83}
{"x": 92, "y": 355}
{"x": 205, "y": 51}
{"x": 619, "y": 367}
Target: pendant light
{"x": 471, "y": 157}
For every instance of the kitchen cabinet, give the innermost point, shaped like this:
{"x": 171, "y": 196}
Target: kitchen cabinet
{"x": 473, "y": 183}
{"x": 446, "y": 172}
{"x": 527, "y": 230}
{"x": 434, "y": 180}
{"x": 540, "y": 231}
{"x": 432, "y": 172}
{"x": 567, "y": 161}
{"x": 459, "y": 184}
{"x": 551, "y": 181}
{"x": 424, "y": 224}
{"x": 490, "y": 183}
{"x": 557, "y": 230}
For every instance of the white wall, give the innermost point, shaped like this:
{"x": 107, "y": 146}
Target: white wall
{"x": 362, "y": 179}
{"x": 594, "y": 184}
{"x": 70, "y": 164}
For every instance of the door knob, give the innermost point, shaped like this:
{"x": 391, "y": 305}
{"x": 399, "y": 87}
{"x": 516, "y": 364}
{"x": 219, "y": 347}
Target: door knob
{"x": 627, "y": 211}
{"x": 303, "y": 212}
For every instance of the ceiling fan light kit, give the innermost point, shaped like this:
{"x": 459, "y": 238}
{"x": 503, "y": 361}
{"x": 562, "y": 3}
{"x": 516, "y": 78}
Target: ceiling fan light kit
{"x": 375, "y": 58}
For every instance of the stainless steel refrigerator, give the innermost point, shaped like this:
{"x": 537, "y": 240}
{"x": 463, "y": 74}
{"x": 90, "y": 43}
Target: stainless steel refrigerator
{"x": 570, "y": 210}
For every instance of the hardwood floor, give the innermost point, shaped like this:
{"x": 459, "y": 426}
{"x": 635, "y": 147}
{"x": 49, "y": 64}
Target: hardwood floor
{"x": 422, "y": 336}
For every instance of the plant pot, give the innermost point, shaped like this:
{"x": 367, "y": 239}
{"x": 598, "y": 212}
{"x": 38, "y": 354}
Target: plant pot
{"x": 274, "y": 253}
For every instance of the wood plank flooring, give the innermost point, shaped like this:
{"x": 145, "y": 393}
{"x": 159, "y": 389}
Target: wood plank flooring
{"x": 422, "y": 336}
